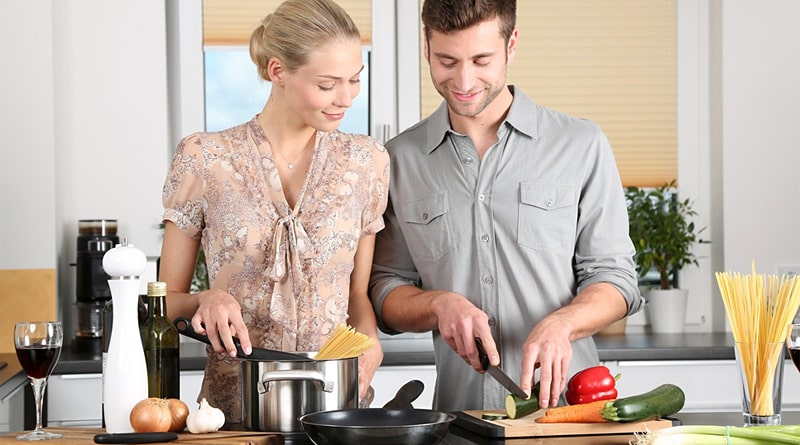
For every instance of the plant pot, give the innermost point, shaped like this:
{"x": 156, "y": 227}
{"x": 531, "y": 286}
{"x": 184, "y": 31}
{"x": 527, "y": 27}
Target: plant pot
{"x": 667, "y": 310}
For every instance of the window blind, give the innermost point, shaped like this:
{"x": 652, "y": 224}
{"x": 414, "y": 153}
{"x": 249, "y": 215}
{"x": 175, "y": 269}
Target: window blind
{"x": 230, "y": 22}
{"x": 611, "y": 61}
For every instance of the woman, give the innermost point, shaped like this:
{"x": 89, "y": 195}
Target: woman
{"x": 284, "y": 206}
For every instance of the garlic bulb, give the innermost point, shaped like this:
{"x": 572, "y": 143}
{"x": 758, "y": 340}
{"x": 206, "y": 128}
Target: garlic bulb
{"x": 206, "y": 419}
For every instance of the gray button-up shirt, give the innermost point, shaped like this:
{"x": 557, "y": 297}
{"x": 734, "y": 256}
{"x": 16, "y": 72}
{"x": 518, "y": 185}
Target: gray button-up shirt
{"x": 518, "y": 233}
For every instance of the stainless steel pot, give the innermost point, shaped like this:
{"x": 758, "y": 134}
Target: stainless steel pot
{"x": 276, "y": 393}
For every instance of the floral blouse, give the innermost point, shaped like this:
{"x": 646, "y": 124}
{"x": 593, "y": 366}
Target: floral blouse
{"x": 289, "y": 269}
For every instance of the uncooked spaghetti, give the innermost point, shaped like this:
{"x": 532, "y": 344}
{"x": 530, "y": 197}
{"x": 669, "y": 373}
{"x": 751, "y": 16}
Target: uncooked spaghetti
{"x": 345, "y": 342}
{"x": 759, "y": 309}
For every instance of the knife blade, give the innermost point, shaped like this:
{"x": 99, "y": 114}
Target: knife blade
{"x": 497, "y": 373}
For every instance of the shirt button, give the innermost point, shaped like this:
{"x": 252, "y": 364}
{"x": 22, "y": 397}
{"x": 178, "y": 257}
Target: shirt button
{"x": 481, "y": 197}
{"x": 485, "y": 238}
{"x": 492, "y": 321}
{"x": 488, "y": 280}
{"x": 468, "y": 160}
{"x": 549, "y": 203}
{"x": 424, "y": 216}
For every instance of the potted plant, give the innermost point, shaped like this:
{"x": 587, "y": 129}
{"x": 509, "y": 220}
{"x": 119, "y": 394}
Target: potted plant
{"x": 663, "y": 235}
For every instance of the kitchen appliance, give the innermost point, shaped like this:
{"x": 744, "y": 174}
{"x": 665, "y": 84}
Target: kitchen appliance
{"x": 95, "y": 238}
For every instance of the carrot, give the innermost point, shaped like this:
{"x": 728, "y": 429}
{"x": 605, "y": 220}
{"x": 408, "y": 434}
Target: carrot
{"x": 581, "y": 413}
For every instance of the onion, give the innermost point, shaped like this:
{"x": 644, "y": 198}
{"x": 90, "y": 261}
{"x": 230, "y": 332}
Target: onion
{"x": 179, "y": 412}
{"x": 151, "y": 415}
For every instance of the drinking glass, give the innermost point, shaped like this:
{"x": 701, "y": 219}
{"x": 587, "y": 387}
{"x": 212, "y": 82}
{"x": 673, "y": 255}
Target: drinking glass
{"x": 38, "y": 346}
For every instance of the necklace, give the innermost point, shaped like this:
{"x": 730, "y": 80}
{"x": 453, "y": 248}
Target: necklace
{"x": 290, "y": 164}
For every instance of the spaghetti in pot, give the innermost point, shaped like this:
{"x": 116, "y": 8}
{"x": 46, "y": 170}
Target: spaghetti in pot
{"x": 760, "y": 308}
{"x": 345, "y": 342}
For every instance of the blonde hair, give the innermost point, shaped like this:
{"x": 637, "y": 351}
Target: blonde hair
{"x": 295, "y": 29}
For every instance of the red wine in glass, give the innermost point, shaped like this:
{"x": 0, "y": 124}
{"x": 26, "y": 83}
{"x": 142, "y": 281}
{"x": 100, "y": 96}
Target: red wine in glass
{"x": 38, "y": 346}
{"x": 38, "y": 361}
{"x": 794, "y": 353}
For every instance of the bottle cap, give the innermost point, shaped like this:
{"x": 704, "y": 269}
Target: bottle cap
{"x": 156, "y": 289}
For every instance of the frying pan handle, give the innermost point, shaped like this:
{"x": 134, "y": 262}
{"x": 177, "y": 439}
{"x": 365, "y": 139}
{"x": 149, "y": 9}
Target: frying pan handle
{"x": 299, "y": 374}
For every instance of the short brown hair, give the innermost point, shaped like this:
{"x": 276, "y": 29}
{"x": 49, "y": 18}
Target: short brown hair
{"x": 448, "y": 16}
{"x": 296, "y": 29}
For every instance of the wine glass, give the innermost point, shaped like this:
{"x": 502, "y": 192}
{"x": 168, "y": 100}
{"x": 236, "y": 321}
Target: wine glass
{"x": 38, "y": 345}
{"x": 793, "y": 344}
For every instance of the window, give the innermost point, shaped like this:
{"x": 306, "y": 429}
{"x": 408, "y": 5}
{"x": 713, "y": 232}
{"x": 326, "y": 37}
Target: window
{"x": 612, "y": 62}
{"x": 234, "y": 93}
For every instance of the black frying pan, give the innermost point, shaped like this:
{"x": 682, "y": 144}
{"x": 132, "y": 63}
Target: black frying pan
{"x": 397, "y": 423}
{"x": 184, "y": 326}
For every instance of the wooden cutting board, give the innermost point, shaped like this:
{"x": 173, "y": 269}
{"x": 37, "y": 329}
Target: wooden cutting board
{"x": 85, "y": 436}
{"x": 527, "y": 426}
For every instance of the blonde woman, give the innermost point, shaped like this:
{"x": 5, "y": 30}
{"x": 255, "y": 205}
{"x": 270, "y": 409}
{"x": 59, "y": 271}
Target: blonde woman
{"x": 285, "y": 206}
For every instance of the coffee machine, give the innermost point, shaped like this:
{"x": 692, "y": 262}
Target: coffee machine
{"x": 95, "y": 238}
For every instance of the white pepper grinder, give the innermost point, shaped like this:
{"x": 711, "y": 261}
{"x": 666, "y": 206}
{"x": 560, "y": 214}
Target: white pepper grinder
{"x": 125, "y": 369}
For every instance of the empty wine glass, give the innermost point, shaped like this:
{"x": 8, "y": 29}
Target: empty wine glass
{"x": 38, "y": 346}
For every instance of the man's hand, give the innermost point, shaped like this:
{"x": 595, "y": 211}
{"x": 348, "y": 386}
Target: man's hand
{"x": 460, "y": 322}
{"x": 547, "y": 348}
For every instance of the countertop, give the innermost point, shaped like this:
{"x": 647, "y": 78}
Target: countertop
{"x": 418, "y": 351}
{"x": 458, "y": 436}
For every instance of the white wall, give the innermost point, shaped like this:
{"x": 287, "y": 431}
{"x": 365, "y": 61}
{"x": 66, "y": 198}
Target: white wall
{"x": 27, "y": 182}
{"x": 85, "y": 128}
{"x": 760, "y": 133}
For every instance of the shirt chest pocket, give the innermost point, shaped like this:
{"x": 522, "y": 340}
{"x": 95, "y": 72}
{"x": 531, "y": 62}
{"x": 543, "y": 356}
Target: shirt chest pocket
{"x": 547, "y": 217}
{"x": 427, "y": 227}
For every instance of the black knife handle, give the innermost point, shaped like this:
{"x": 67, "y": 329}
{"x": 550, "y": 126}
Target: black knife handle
{"x": 135, "y": 437}
{"x": 482, "y": 354}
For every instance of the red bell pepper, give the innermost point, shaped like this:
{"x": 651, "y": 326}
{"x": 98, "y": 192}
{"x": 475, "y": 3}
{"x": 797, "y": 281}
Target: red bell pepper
{"x": 592, "y": 384}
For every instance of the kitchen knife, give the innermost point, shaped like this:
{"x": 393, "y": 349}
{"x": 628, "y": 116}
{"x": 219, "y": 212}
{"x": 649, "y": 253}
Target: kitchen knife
{"x": 498, "y": 373}
{"x": 135, "y": 437}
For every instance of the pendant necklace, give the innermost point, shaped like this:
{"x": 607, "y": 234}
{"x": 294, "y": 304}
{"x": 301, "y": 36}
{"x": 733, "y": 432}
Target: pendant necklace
{"x": 290, "y": 164}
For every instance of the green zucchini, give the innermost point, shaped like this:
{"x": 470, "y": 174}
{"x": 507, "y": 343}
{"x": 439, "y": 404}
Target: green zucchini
{"x": 517, "y": 407}
{"x": 662, "y": 401}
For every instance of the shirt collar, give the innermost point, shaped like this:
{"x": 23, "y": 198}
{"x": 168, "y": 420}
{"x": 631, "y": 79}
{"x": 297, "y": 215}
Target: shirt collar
{"x": 523, "y": 115}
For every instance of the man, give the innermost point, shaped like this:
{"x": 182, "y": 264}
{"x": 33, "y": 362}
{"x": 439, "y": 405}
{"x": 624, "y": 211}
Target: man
{"x": 506, "y": 222}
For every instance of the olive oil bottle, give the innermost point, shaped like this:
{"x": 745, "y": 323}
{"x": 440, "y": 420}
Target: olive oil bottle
{"x": 161, "y": 345}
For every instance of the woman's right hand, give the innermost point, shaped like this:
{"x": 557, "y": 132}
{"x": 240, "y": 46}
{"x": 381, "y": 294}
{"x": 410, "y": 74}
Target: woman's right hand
{"x": 219, "y": 316}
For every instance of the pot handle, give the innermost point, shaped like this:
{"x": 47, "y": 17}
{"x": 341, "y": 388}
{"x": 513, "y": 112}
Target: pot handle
{"x": 299, "y": 374}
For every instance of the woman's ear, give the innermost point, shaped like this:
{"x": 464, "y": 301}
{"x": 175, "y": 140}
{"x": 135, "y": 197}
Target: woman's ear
{"x": 275, "y": 71}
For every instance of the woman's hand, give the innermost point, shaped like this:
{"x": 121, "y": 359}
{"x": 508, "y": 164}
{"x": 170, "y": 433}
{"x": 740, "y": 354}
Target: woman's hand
{"x": 219, "y": 316}
{"x": 368, "y": 364}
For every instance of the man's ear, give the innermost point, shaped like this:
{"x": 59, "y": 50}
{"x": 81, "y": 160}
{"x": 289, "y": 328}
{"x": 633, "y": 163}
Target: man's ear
{"x": 512, "y": 45}
{"x": 425, "y": 48}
